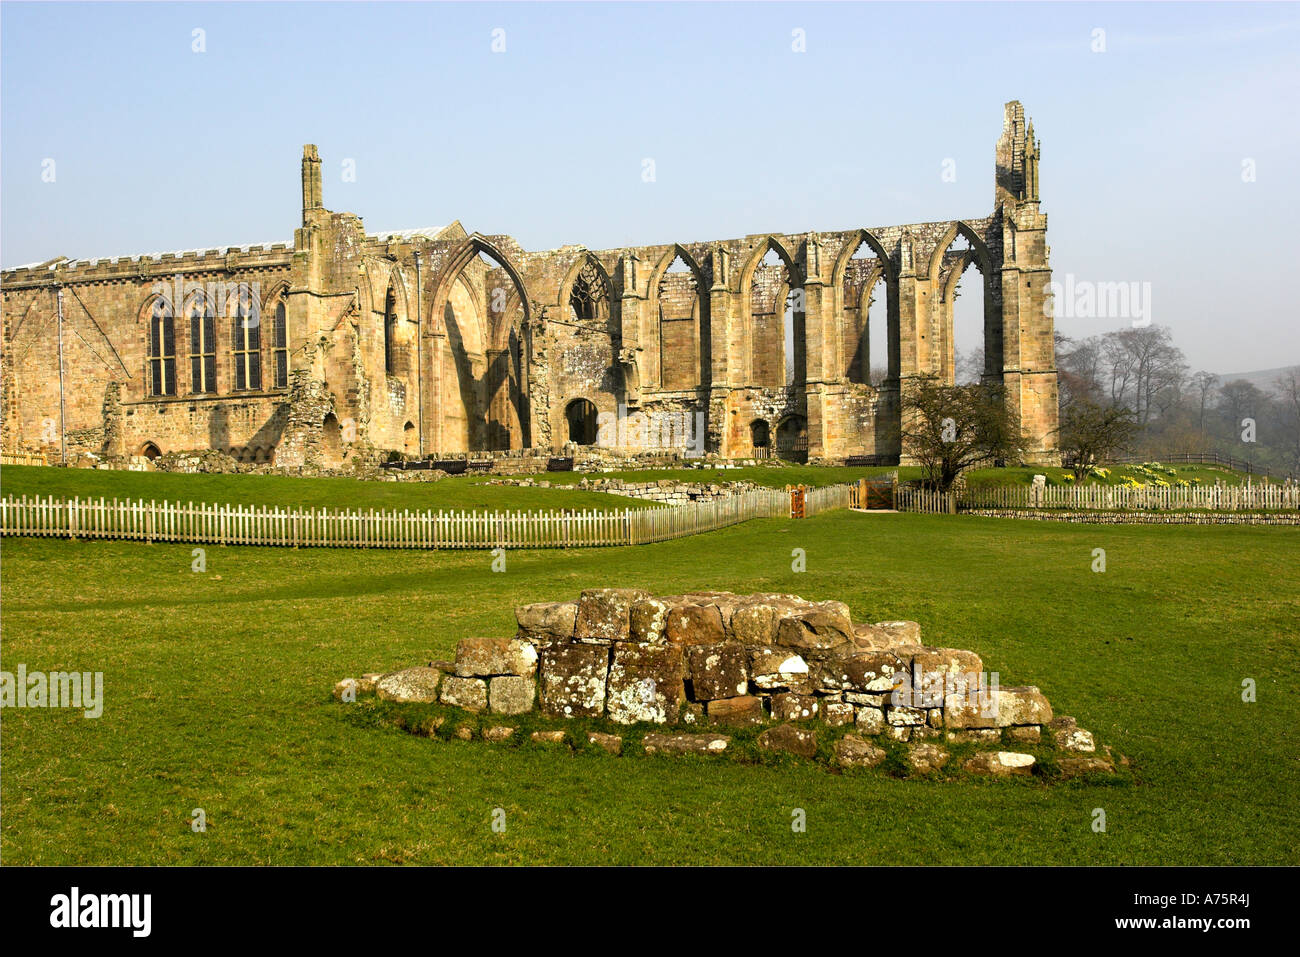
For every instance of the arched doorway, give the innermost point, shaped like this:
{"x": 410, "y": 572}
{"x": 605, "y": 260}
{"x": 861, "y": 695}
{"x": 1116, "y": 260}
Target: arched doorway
{"x": 150, "y": 451}
{"x": 409, "y": 445}
{"x": 581, "y": 417}
{"x": 792, "y": 438}
{"x": 760, "y": 434}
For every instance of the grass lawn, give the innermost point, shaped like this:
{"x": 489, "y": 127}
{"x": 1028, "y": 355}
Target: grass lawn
{"x": 776, "y": 475}
{"x": 1024, "y": 475}
{"x": 217, "y": 691}
{"x": 455, "y": 492}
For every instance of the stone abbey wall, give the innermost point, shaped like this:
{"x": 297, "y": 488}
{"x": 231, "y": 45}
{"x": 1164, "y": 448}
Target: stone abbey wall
{"x": 439, "y": 341}
{"x": 702, "y": 665}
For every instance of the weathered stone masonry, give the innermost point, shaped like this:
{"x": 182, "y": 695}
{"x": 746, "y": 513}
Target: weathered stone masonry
{"x": 693, "y": 668}
{"x": 439, "y": 341}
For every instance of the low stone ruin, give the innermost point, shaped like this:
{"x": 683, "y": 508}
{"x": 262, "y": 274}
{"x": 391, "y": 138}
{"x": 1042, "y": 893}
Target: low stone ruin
{"x": 666, "y": 491}
{"x": 712, "y": 665}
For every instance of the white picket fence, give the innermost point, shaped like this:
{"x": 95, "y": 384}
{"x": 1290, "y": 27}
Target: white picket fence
{"x": 1221, "y": 498}
{"x": 827, "y": 497}
{"x": 908, "y": 499}
{"x": 154, "y": 521}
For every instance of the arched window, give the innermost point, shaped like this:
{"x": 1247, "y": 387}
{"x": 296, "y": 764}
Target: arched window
{"x": 280, "y": 346}
{"x": 246, "y": 344}
{"x": 589, "y": 300}
{"x": 162, "y": 349}
{"x": 203, "y": 347}
{"x": 390, "y": 332}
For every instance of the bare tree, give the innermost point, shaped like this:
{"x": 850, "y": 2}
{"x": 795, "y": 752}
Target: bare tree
{"x": 949, "y": 429}
{"x": 1078, "y": 368}
{"x": 1146, "y": 370}
{"x": 1091, "y": 433}
{"x": 1204, "y": 383}
{"x": 1288, "y": 397}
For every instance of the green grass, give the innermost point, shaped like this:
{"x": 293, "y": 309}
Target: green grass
{"x": 1024, "y": 475}
{"x": 217, "y": 689}
{"x": 775, "y": 475}
{"x": 455, "y": 492}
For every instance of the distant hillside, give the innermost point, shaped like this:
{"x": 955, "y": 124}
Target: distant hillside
{"x": 1264, "y": 379}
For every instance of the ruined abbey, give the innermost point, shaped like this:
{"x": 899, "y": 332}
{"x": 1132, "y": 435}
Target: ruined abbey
{"x": 438, "y": 342}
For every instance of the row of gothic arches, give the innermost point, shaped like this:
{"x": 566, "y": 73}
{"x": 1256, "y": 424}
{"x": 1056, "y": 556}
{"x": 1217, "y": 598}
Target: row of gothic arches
{"x": 478, "y": 364}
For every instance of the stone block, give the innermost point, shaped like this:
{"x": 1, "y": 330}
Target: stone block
{"x": 838, "y": 713}
{"x": 648, "y": 620}
{"x": 484, "y": 657}
{"x": 755, "y": 622}
{"x": 869, "y": 720}
{"x": 410, "y": 685}
{"x": 794, "y": 707}
{"x": 996, "y": 708}
{"x": 694, "y": 625}
{"x": 655, "y": 743}
{"x": 511, "y": 694}
{"x": 1031, "y": 734}
{"x": 776, "y": 668}
{"x": 468, "y": 693}
{"x": 718, "y": 671}
{"x": 788, "y": 738}
{"x": 865, "y": 671}
{"x": 937, "y": 672}
{"x": 745, "y": 709}
{"x": 1078, "y": 765}
{"x": 645, "y": 683}
{"x": 905, "y": 716}
{"x": 1000, "y": 763}
{"x": 611, "y": 743}
{"x": 1068, "y": 736}
{"x": 926, "y": 757}
{"x": 852, "y": 751}
{"x": 572, "y": 681}
{"x": 603, "y": 614}
{"x": 901, "y": 632}
{"x": 819, "y": 629}
{"x": 547, "y": 620}
{"x": 1022, "y": 706}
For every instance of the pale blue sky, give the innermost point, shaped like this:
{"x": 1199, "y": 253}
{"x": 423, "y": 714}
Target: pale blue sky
{"x": 157, "y": 147}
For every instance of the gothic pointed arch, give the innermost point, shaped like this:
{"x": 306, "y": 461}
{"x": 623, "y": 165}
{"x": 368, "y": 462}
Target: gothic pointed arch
{"x": 681, "y": 323}
{"x": 947, "y": 267}
{"x": 587, "y": 292}
{"x": 478, "y": 340}
{"x": 859, "y": 318}
{"x": 772, "y": 319}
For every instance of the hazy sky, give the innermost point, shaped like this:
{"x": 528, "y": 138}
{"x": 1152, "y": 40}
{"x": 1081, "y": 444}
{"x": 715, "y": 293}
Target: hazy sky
{"x": 158, "y": 147}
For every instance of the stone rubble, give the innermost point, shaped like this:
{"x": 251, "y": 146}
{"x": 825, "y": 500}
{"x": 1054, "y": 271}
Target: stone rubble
{"x": 725, "y": 661}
